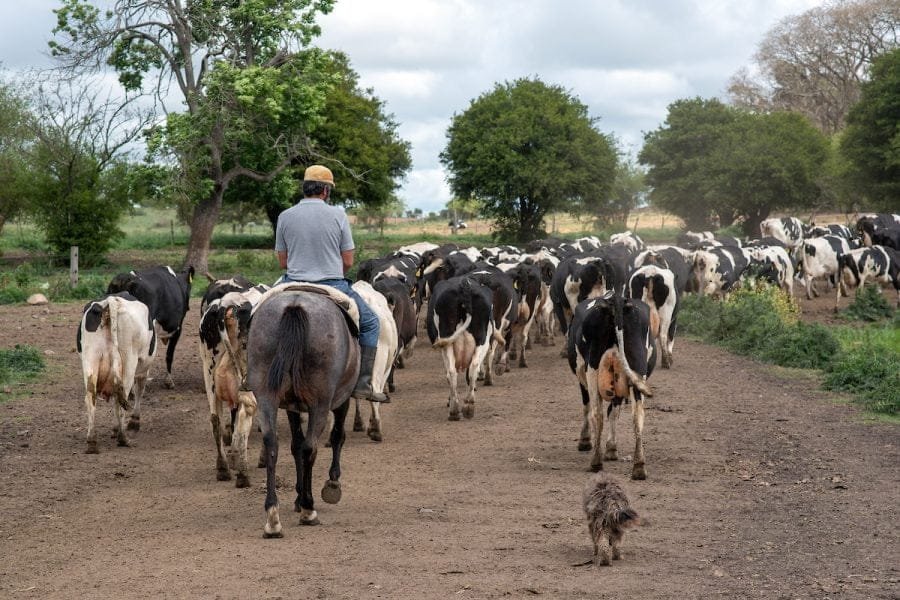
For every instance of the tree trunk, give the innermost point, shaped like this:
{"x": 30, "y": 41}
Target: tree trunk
{"x": 203, "y": 222}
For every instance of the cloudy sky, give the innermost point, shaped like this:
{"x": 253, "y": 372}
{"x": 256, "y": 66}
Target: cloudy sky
{"x": 428, "y": 59}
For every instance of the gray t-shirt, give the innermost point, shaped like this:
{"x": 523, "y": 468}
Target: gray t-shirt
{"x": 314, "y": 234}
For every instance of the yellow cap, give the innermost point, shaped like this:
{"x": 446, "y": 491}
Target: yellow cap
{"x": 320, "y": 174}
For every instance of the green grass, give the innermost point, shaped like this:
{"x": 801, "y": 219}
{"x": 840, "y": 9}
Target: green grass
{"x": 17, "y": 364}
{"x": 862, "y": 361}
{"x": 869, "y": 305}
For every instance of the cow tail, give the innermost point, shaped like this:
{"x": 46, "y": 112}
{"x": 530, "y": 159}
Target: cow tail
{"x": 635, "y": 379}
{"x": 291, "y": 350}
{"x": 465, "y": 306}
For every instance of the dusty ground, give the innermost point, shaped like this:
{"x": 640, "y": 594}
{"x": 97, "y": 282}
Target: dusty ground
{"x": 760, "y": 486}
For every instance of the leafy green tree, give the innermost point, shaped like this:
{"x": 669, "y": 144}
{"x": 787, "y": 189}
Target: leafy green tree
{"x": 678, "y": 155}
{"x": 14, "y": 139}
{"x": 872, "y": 139}
{"x": 357, "y": 139}
{"x": 764, "y": 163}
{"x": 711, "y": 163}
{"x": 251, "y": 98}
{"x": 628, "y": 190}
{"x": 526, "y": 148}
{"x": 78, "y": 181}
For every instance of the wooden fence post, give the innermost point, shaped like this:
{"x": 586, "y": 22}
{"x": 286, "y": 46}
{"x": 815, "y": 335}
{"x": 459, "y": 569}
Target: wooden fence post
{"x": 73, "y": 266}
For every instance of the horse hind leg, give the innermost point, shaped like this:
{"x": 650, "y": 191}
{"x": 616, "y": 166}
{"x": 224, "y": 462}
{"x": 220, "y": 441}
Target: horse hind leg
{"x": 374, "y": 428}
{"x": 303, "y": 504}
{"x": 331, "y": 491}
{"x": 267, "y": 415}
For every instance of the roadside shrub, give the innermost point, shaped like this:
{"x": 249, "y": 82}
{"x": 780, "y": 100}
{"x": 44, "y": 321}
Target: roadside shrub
{"x": 869, "y": 305}
{"x": 20, "y": 362}
{"x": 759, "y": 320}
{"x": 869, "y": 367}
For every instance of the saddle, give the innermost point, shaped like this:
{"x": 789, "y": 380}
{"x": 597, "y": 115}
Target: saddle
{"x": 341, "y": 300}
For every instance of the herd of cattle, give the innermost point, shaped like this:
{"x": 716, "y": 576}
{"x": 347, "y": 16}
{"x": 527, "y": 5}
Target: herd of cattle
{"x": 616, "y": 303}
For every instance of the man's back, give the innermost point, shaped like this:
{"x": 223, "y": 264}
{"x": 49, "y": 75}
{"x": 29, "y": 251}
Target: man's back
{"x": 313, "y": 234}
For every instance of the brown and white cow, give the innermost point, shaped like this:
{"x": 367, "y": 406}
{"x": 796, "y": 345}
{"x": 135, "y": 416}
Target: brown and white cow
{"x": 224, "y": 331}
{"x": 117, "y": 342}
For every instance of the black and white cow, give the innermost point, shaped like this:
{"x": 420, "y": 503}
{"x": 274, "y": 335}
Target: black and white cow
{"x": 831, "y": 229}
{"x": 888, "y": 237}
{"x": 224, "y": 331}
{"x": 716, "y": 270}
{"x": 692, "y": 239}
{"x": 678, "y": 260}
{"x": 788, "y": 230}
{"x": 166, "y": 294}
{"x": 395, "y": 291}
{"x": 876, "y": 264}
{"x": 772, "y": 263}
{"x": 117, "y": 341}
{"x": 630, "y": 240}
{"x": 398, "y": 266}
{"x": 820, "y": 257}
{"x": 872, "y": 222}
{"x": 657, "y": 288}
{"x": 611, "y": 351}
{"x": 505, "y": 310}
{"x": 529, "y": 287}
{"x": 219, "y": 287}
{"x": 460, "y": 324}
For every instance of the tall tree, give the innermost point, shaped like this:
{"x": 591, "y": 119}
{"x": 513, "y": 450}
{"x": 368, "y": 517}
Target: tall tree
{"x": 14, "y": 139}
{"x": 250, "y": 98}
{"x": 872, "y": 139}
{"x": 359, "y": 140}
{"x": 678, "y": 155}
{"x": 814, "y": 63}
{"x": 79, "y": 181}
{"x": 710, "y": 163}
{"x": 526, "y": 148}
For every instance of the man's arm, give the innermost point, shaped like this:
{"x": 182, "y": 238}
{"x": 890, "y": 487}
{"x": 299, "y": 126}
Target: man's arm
{"x": 346, "y": 258}
{"x": 282, "y": 259}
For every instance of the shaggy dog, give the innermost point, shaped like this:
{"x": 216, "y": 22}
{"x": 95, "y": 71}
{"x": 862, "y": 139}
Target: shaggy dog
{"x": 608, "y": 515}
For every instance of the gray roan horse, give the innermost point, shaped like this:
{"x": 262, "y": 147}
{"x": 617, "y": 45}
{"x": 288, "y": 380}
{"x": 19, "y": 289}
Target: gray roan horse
{"x": 303, "y": 357}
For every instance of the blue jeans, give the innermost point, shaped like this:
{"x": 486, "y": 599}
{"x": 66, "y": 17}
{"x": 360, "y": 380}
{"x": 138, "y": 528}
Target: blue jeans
{"x": 368, "y": 320}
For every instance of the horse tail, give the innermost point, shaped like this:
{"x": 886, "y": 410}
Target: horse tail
{"x": 291, "y": 350}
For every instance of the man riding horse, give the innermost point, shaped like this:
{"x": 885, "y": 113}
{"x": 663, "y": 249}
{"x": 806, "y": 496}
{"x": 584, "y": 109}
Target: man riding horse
{"x": 315, "y": 245}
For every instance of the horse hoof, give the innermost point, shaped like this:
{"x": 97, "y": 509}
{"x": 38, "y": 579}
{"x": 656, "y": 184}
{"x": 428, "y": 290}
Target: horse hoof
{"x": 124, "y": 443}
{"x": 453, "y": 417}
{"x": 331, "y": 492}
{"x": 468, "y": 411}
{"x": 392, "y": 388}
{"x": 223, "y": 475}
{"x": 375, "y": 436}
{"x": 584, "y": 446}
{"x": 241, "y": 481}
{"x": 638, "y": 473}
{"x": 134, "y": 425}
{"x": 92, "y": 448}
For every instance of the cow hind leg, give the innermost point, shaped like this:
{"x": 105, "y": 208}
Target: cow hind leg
{"x": 595, "y": 419}
{"x": 374, "y": 428}
{"x": 243, "y": 423}
{"x": 637, "y": 409}
{"x": 90, "y": 402}
{"x": 121, "y": 438}
{"x": 611, "y": 440}
{"x": 222, "y": 471}
{"x": 170, "y": 355}
{"x": 584, "y": 438}
{"x": 450, "y": 372}
{"x": 140, "y": 381}
{"x": 357, "y": 418}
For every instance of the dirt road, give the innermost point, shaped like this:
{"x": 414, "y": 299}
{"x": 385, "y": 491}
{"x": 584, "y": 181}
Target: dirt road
{"x": 759, "y": 486}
